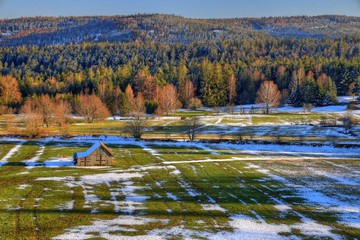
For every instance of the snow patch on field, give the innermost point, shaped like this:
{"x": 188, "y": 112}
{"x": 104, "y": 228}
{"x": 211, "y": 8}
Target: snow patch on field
{"x": 282, "y": 207}
{"x": 349, "y": 212}
{"x": 23, "y": 186}
{"x": 59, "y": 162}
{"x": 147, "y": 148}
{"x": 132, "y": 202}
{"x": 67, "y": 206}
{"x": 32, "y": 161}
{"x": 105, "y": 227}
{"x": 325, "y": 109}
{"x": 333, "y": 176}
{"x": 14, "y": 150}
{"x": 213, "y": 207}
{"x": 246, "y": 227}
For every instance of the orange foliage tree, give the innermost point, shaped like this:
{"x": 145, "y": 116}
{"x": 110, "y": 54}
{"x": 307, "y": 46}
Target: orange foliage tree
{"x": 9, "y": 92}
{"x": 168, "y": 101}
{"x": 129, "y": 99}
{"x": 269, "y": 95}
{"x": 42, "y": 106}
{"x": 62, "y": 109}
{"x": 188, "y": 93}
{"x": 92, "y": 108}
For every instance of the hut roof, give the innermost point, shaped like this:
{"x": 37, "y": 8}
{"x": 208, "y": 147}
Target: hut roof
{"x": 92, "y": 149}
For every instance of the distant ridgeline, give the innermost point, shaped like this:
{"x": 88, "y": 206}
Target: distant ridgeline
{"x": 310, "y": 59}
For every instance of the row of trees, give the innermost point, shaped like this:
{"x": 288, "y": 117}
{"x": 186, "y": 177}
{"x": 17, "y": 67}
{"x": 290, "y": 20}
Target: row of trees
{"x": 223, "y": 73}
{"x": 153, "y": 98}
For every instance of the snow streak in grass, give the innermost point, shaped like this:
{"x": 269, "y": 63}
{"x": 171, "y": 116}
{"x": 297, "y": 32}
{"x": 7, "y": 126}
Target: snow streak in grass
{"x": 32, "y": 162}
{"x": 14, "y": 150}
{"x": 105, "y": 227}
{"x": 348, "y": 212}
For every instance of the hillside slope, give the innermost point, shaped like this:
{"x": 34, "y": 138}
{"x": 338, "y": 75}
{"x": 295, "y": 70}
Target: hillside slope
{"x": 168, "y": 29}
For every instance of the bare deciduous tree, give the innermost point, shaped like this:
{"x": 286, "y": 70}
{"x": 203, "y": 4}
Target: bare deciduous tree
{"x": 269, "y": 95}
{"x": 348, "y": 121}
{"x": 136, "y": 125}
{"x": 192, "y": 127}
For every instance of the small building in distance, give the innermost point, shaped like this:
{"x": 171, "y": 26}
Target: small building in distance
{"x": 98, "y": 155}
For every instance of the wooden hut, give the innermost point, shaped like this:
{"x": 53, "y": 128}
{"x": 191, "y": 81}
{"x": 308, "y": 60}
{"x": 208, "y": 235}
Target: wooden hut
{"x": 98, "y": 155}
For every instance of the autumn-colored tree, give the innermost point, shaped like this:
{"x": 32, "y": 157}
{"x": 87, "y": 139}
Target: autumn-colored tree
{"x": 139, "y": 105}
{"x": 269, "y": 95}
{"x": 281, "y": 75}
{"x": 46, "y": 108}
{"x": 32, "y": 125}
{"x": 149, "y": 92}
{"x": 118, "y": 100}
{"x": 129, "y": 101}
{"x": 29, "y": 106}
{"x": 62, "y": 109}
{"x": 195, "y": 103}
{"x": 92, "y": 108}
{"x": 42, "y": 107}
{"x": 187, "y": 94}
{"x": 33, "y": 120}
{"x": 232, "y": 88}
{"x": 168, "y": 101}
{"x": 295, "y": 84}
{"x": 102, "y": 89}
{"x": 9, "y": 92}
{"x": 144, "y": 82}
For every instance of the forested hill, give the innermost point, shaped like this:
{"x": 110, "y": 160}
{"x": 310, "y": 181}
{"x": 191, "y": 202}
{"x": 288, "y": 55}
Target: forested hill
{"x": 311, "y": 60}
{"x": 168, "y": 29}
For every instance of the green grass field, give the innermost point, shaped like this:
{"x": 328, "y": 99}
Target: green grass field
{"x": 178, "y": 191}
{"x": 289, "y": 126}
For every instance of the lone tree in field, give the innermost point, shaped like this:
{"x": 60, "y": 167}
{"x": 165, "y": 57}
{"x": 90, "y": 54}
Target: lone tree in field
{"x": 136, "y": 126}
{"x": 348, "y": 121}
{"x": 269, "y": 95}
{"x": 192, "y": 127}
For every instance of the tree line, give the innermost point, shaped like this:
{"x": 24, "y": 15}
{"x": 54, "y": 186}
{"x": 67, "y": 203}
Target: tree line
{"x": 165, "y": 77}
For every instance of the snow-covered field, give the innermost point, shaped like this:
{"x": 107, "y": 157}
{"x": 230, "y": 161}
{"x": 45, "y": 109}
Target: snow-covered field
{"x": 165, "y": 190}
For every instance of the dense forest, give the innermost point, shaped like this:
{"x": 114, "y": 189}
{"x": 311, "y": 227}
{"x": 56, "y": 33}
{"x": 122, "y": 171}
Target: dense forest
{"x": 216, "y": 62}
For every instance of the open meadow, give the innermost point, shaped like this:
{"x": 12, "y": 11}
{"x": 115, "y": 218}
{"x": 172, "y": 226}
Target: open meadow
{"x": 181, "y": 190}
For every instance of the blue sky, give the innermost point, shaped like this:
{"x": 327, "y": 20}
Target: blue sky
{"x": 186, "y": 8}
